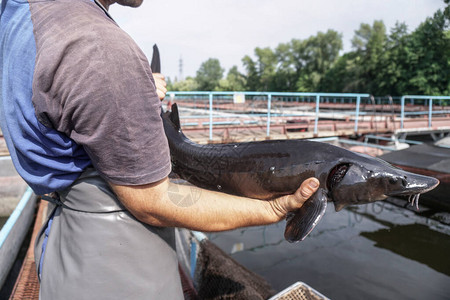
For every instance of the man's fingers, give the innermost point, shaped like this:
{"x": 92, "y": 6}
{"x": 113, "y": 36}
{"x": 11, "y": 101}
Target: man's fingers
{"x": 306, "y": 190}
{"x": 161, "y": 91}
{"x": 161, "y": 94}
{"x": 159, "y": 76}
{"x": 308, "y": 187}
{"x": 160, "y": 84}
{"x": 281, "y": 206}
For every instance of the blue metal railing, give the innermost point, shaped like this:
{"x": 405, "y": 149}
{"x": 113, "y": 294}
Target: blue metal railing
{"x": 269, "y": 96}
{"x": 430, "y": 106}
{"x": 317, "y": 98}
{"x": 389, "y": 139}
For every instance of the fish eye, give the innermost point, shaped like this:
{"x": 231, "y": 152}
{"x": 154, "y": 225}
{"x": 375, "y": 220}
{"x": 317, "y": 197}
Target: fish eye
{"x": 392, "y": 180}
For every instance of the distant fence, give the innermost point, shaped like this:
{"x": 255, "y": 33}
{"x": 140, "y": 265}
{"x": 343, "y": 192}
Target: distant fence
{"x": 266, "y": 105}
{"x": 443, "y": 101}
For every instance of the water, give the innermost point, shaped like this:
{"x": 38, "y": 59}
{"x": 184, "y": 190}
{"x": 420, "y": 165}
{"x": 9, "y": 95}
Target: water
{"x": 3, "y": 221}
{"x": 376, "y": 251}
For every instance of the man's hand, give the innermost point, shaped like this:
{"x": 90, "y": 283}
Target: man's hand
{"x": 160, "y": 82}
{"x": 281, "y": 206}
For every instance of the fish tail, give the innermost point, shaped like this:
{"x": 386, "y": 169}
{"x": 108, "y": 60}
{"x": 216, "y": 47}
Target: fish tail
{"x": 302, "y": 222}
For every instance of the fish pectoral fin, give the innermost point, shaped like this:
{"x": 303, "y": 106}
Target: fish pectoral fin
{"x": 301, "y": 222}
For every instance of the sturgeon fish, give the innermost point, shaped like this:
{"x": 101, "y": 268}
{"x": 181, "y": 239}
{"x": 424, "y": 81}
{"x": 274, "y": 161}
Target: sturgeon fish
{"x": 273, "y": 168}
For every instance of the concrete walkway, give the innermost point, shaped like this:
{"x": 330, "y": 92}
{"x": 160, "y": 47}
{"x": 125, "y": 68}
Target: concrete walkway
{"x": 12, "y": 186}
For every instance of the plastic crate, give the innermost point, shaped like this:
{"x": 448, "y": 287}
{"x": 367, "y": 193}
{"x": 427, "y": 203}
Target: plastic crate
{"x": 299, "y": 291}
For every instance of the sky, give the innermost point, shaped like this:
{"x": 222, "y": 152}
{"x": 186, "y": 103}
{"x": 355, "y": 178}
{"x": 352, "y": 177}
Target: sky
{"x": 196, "y": 30}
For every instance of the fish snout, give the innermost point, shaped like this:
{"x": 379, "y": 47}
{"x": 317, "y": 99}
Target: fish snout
{"x": 409, "y": 184}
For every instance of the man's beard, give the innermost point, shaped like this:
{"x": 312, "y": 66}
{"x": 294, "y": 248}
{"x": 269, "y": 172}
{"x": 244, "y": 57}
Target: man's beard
{"x": 131, "y": 3}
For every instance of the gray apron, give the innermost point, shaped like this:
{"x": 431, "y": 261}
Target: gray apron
{"x": 95, "y": 249}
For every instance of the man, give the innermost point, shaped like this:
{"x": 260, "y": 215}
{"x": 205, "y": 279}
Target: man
{"x": 79, "y": 111}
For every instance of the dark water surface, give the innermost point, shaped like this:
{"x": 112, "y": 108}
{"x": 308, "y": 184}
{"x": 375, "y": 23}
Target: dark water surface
{"x": 376, "y": 251}
{"x": 3, "y": 221}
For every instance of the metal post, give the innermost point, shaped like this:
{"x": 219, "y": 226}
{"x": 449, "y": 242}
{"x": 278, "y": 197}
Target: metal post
{"x": 210, "y": 116}
{"x": 193, "y": 257}
{"x": 358, "y": 102}
{"x": 317, "y": 113}
{"x": 269, "y": 104}
{"x": 430, "y": 111}
{"x": 402, "y": 114}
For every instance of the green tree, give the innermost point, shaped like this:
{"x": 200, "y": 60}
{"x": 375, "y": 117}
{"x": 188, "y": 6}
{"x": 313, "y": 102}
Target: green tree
{"x": 209, "y": 74}
{"x": 252, "y": 77}
{"x": 428, "y": 61}
{"x": 447, "y": 9}
{"x": 189, "y": 84}
{"x": 298, "y": 65}
{"x": 287, "y": 71}
{"x": 392, "y": 64}
{"x": 235, "y": 81}
{"x": 266, "y": 66}
{"x": 397, "y": 63}
{"x": 261, "y": 72}
{"x": 369, "y": 43}
{"x": 344, "y": 76}
{"x": 320, "y": 53}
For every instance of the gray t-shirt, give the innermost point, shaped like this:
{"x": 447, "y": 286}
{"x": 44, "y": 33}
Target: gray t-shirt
{"x": 94, "y": 84}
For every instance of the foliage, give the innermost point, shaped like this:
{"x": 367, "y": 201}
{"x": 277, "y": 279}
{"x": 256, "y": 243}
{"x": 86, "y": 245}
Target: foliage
{"x": 189, "y": 84}
{"x": 235, "y": 81}
{"x": 209, "y": 75}
{"x": 397, "y": 62}
{"x": 429, "y": 57}
{"x": 295, "y": 66}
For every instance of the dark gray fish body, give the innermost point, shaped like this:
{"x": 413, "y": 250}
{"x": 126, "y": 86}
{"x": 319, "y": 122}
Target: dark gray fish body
{"x": 269, "y": 169}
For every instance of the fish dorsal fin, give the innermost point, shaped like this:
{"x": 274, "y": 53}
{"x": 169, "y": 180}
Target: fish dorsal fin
{"x": 174, "y": 116}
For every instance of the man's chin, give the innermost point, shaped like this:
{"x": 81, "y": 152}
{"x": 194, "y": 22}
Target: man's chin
{"x": 130, "y": 3}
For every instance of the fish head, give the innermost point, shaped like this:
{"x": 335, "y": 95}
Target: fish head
{"x": 368, "y": 179}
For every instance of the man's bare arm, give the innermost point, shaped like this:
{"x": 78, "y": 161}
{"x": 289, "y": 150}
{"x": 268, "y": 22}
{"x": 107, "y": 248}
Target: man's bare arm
{"x": 157, "y": 204}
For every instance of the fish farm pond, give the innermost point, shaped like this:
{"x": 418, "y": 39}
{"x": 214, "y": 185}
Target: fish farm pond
{"x": 375, "y": 251}
{"x": 3, "y": 221}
